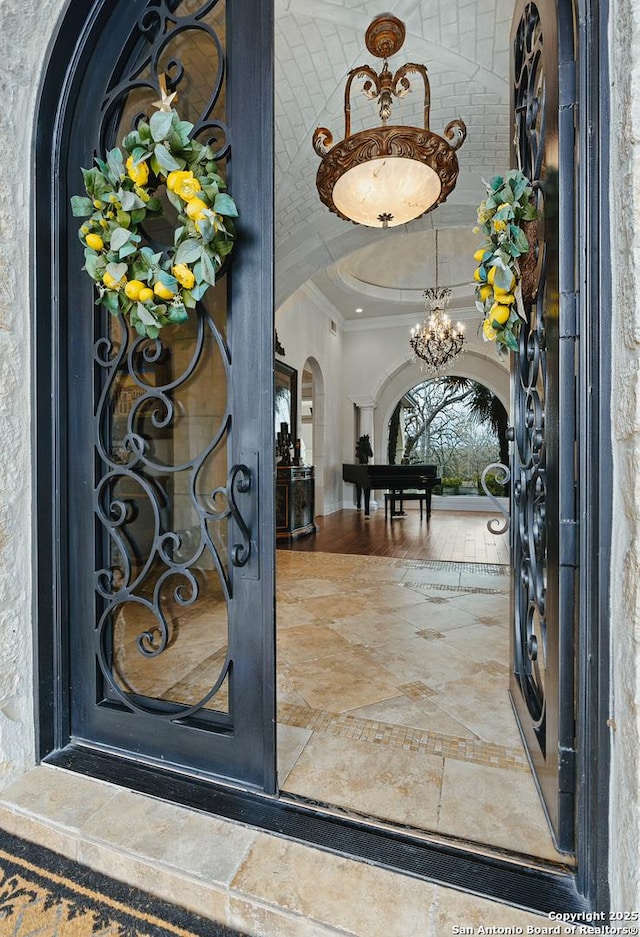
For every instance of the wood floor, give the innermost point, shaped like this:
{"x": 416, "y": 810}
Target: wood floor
{"x": 453, "y": 536}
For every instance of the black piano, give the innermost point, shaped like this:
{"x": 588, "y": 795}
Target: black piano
{"x": 396, "y": 479}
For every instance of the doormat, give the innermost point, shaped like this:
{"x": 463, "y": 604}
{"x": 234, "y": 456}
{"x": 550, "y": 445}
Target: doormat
{"x": 44, "y": 893}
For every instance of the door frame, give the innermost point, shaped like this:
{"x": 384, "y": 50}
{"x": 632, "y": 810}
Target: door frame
{"x": 535, "y": 887}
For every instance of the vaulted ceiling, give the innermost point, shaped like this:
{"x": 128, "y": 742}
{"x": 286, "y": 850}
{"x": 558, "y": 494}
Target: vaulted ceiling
{"x": 465, "y": 47}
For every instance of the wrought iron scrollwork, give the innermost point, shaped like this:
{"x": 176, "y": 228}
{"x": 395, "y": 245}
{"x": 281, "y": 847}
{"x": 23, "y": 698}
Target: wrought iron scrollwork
{"x": 147, "y": 572}
{"x": 502, "y": 475}
{"x": 529, "y": 484}
{"x": 240, "y": 480}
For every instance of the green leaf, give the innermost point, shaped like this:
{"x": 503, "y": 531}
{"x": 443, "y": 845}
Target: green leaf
{"x": 223, "y": 246}
{"x": 519, "y": 239}
{"x": 110, "y": 301}
{"x": 165, "y": 160}
{"x": 137, "y": 216}
{"x": 117, "y": 271}
{"x": 188, "y": 252}
{"x": 129, "y": 200}
{"x": 168, "y": 280}
{"x": 81, "y": 206}
{"x": 503, "y": 279}
{"x": 160, "y": 125}
{"x": 115, "y": 161}
{"x": 177, "y": 313}
{"x": 199, "y": 290}
{"x": 189, "y": 299}
{"x": 208, "y": 270}
{"x": 176, "y": 201}
{"x": 510, "y": 340}
{"x": 126, "y": 250}
{"x": 94, "y": 264}
{"x": 119, "y": 238}
{"x": 224, "y": 205}
{"x": 146, "y": 315}
{"x": 154, "y": 205}
{"x": 131, "y": 141}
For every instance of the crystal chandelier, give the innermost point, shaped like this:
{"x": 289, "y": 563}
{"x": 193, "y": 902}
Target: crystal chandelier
{"x": 436, "y": 342}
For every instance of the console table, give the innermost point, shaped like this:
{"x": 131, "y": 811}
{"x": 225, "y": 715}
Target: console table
{"x": 295, "y": 502}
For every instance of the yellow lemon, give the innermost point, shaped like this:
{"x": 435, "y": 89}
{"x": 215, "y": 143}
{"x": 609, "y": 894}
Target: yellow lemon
{"x": 492, "y": 275}
{"x": 499, "y": 313}
{"x": 133, "y": 288}
{"x": 195, "y": 207}
{"x": 505, "y": 298}
{"x": 485, "y": 292}
{"x": 95, "y": 242}
{"x": 488, "y": 330}
{"x": 162, "y": 291}
{"x": 479, "y": 274}
{"x": 145, "y": 295}
{"x": 479, "y": 254}
{"x": 112, "y": 284}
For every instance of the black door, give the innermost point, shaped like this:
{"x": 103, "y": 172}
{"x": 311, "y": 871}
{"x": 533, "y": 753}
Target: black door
{"x": 167, "y": 457}
{"x": 545, "y": 461}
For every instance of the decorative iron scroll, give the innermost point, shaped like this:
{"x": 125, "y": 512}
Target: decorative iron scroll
{"x": 502, "y": 476}
{"x": 169, "y": 568}
{"x": 529, "y": 487}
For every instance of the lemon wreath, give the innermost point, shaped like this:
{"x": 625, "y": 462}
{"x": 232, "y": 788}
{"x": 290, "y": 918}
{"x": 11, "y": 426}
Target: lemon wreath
{"x": 155, "y": 289}
{"x": 501, "y": 216}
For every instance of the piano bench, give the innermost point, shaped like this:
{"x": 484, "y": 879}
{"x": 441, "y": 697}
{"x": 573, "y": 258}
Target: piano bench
{"x": 391, "y": 497}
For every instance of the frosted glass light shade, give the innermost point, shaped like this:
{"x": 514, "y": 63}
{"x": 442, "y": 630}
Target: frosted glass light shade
{"x": 391, "y": 186}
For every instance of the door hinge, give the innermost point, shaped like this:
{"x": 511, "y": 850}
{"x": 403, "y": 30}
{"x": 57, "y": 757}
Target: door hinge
{"x": 569, "y": 530}
{"x": 566, "y": 770}
{"x": 568, "y": 324}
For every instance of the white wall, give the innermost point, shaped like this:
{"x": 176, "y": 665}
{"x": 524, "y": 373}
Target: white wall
{"x": 303, "y": 325}
{"x": 379, "y": 365}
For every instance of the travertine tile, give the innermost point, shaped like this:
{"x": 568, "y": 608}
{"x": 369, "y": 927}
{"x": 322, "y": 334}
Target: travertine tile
{"x": 343, "y": 681}
{"x": 60, "y": 797}
{"x": 457, "y": 909}
{"x": 309, "y": 642}
{"x": 496, "y": 806}
{"x": 484, "y": 706}
{"x": 377, "y": 779}
{"x": 145, "y": 826}
{"x": 354, "y": 897}
{"x": 291, "y": 741}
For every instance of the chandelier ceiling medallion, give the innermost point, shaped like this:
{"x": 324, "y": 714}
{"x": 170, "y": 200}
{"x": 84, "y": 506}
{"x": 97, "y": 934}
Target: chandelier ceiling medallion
{"x": 390, "y": 174}
{"x": 436, "y": 342}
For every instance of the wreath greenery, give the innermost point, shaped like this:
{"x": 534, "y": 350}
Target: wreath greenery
{"x": 509, "y": 202}
{"x": 155, "y": 289}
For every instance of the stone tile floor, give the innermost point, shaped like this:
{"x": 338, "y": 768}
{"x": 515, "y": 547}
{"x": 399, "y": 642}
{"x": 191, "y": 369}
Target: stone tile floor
{"x": 372, "y": 657}
{"x": 262, "y": 884}
{"x": 392, "y": 696}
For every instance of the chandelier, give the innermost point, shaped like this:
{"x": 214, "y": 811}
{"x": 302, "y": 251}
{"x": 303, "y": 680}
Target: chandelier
{"x": 390, "y": 174}
{"x": 437, "y": 342}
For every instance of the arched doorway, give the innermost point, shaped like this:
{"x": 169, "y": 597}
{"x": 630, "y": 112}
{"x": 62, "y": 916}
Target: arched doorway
{"x": 55, "y": 661}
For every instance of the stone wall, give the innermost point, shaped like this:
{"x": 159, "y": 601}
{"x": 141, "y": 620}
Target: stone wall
{"x": 23, "y": 47}
{"x": 624, "y": 41}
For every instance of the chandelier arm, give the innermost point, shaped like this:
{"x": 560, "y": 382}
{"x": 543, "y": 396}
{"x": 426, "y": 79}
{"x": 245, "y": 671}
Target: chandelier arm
{"x": 420, "y": 70}
{"x": 360, "y": 72}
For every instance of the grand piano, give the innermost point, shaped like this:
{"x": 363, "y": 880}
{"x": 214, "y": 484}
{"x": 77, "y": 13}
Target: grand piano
{"x": 397, "y": 479}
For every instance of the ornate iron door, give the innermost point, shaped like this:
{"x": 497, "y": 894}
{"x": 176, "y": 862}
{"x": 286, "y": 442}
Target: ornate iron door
{"x": 169, "y": 458}
{"x": 545, "y": 453}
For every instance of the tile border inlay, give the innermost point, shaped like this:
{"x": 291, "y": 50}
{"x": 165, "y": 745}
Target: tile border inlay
{"x": 344, "y": 725}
